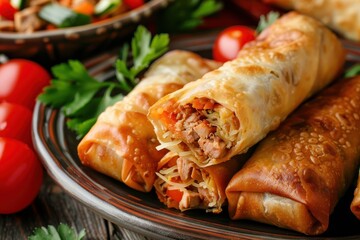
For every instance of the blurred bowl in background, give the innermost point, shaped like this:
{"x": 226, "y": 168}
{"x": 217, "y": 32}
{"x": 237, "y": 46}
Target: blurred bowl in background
{"x": 52, "y": 46}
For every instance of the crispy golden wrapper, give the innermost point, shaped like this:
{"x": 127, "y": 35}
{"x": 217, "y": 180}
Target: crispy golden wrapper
{"x": 343, "y": 16}
{"x": 232, "y": 108}
{"x": 122, "y": 143}
{"x": 298, "y": 173}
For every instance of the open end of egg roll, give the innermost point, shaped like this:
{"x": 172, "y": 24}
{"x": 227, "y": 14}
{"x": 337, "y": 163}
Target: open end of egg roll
{"x": 205, "y": 126}
{"x": 181, "y": 184}
{"x": 232, "y": 108}
{"x": 122, "y": 143}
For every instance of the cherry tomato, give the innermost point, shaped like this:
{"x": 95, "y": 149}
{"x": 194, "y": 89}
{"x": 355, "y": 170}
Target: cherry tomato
{"x": 21, "y": 175}
{"x": 229, "y": 42}
{"x": 21, "y": 81}
{"x": 7, "y": 10}
{"x": 174, "y": 194}
{"x": 15, "y": 122}
{"x": 134, "y": 3}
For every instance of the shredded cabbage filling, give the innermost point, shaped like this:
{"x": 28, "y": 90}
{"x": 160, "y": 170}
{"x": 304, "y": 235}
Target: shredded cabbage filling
{"x": 209, "y": 128}
{"x": 198, "y": 191}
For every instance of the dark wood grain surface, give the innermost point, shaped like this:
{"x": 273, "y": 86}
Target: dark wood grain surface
{"x": 54, "y": 206}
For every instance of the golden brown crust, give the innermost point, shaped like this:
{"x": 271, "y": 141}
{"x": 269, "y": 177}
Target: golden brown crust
{"x": 126, "y": 151}
{"x": 343, "y": 16}
{"x": 291, "y": 60}
{"x": 311, "y": 159}
{"x": 122, "y": 143}
{"x": 268, "y": 208}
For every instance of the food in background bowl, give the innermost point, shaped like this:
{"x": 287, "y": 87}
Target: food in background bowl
{"x": 49, "y": 47}
{"x": 34, "y": 15}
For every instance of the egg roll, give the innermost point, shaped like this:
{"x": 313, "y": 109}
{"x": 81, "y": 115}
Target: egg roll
{"x": 182, "y": 185}
{"x": 230, "y": 109}
{"x": 298, "y": 173}
{"x": 122, "y": 142}
{"x": 343, "y": 16}
{"x": 355, "y": 203}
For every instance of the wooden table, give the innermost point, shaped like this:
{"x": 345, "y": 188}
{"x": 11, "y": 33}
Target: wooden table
{"x": 54, "y": 206}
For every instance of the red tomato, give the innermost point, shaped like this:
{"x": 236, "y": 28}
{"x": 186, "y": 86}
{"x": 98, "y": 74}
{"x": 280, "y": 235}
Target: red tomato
{"x": 174, "y": 194}
{"x": 134, "y": 3}
{"x": 7, "y": 10}
{"x": 21, "y": 81}
{"x": 15, "y": 122}
{"x": 229, "y": 42}
{"x": 21, "y": 176}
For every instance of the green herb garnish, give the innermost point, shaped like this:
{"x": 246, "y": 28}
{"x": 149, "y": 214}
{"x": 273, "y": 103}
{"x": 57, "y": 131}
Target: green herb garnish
{"x": 266, "y": 21}
{"x": 82, "y": 98}
{"x": 144, "y": 51}
{"x": 62, "y": 232}
{"x": 186, "y": 15}
{"x": 353, "y": 71}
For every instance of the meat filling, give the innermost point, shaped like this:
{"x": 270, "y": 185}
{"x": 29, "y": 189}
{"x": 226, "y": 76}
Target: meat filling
{"x": 193, "y": 187}
{"x": 195, "y": 197}
{"x": 194, "y": 127}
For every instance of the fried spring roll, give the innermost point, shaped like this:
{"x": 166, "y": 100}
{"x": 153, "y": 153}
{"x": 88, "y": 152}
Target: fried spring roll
{"x": 181, "y": 184}
{"x": 298, "y": 173}
{"x": 232, "y": 108}
{"x": 355, "y": 204}
{"x": 122, "y": 142}
{"x": 342, "y": 16}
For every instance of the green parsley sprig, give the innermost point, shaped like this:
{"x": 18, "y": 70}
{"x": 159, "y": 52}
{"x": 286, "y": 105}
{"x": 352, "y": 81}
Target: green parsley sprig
{"x": 62, "y": 232}
{"x": 353, "y": 71}
{"x": 82, "y": 98}
{"x": 183, "y": 16}
{"x": 144, "y": 50}
{"x": 266, "y": 20}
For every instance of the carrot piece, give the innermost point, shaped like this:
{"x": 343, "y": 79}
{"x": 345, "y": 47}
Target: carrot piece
{"x": 174, "y": 194}
{"x": 203, "y": 103}
{"x": 84, "y": 7}
{"x": 50, "y": 27}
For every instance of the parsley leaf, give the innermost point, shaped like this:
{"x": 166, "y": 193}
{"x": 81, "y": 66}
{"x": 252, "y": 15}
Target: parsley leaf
{"x": 88, "y": 115}
{"x": 144, "y": 51}
{"x": 186, "y": 15}
{"x": 73, "y": 91}
{"x": 62, "y": 232}
{"x": 353, "y": 71}
{"x": 82, "y": 98}
{"x": 71, "y": 84}
{"x": 266, "y": 21}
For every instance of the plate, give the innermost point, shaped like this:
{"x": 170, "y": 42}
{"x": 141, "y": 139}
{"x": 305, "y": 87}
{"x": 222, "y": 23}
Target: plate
{"x": 142, "y": 212}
